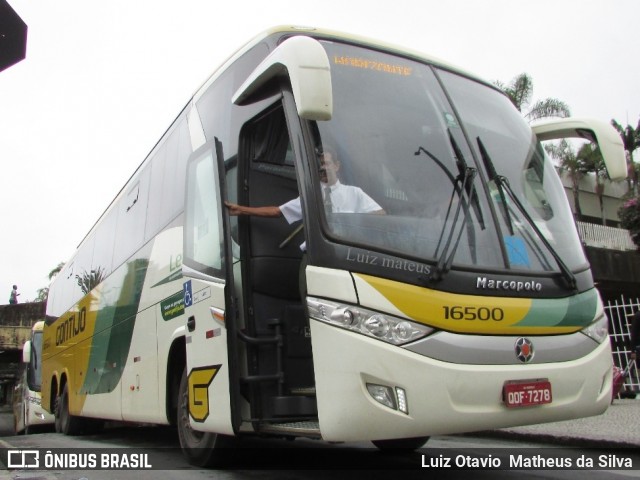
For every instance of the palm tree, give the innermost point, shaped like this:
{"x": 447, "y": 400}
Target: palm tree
{"x": 43, "y": 293}
{"x": 520, "y": 91}
{"x": 89, "y": 280}
{"x": 590, "y": 160}
{"x": 56, "y": 270}
{"x": 631, "y": 140}
{"x": 568, "y": 162}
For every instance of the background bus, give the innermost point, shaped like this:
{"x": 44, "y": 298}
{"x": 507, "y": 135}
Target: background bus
{"x": 468, "y": 305}
{"x": 27, "y": 409}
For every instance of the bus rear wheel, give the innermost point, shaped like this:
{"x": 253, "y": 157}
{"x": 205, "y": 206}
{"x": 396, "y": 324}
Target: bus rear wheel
{"x": 201, "y": 449}
{"x": 401, "y": 443}
{"x": 64, "y": 421}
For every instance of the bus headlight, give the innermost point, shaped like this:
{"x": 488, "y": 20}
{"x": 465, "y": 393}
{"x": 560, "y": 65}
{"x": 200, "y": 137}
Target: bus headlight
{"x": 598, "y": 330}
{"x": 378, "y": 325}
{"x": 394, "y": 398}
{"x": 382, "y": 394}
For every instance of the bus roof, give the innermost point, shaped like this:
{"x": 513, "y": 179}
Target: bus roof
{"x": 285, "y": 30}
{"x": 327, "y": 34}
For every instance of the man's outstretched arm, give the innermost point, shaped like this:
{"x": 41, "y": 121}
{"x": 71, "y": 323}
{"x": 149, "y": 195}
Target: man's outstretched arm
{"x": 237, "y": 210}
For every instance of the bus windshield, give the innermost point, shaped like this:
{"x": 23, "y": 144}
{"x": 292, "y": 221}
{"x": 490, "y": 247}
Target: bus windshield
{"x": 453, "y": 165}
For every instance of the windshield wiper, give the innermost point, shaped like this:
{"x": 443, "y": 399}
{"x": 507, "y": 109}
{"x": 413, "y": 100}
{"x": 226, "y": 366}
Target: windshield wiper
{"x": 499, "y": 181}
{"x": 503, "y": 186}
{"x": 471, "y": 192}
{"x": 465, "y": 180}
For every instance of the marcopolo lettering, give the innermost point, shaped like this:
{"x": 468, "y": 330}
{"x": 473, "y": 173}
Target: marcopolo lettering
{"x": 512, "y": 285}
{"x": 71, "y": 327}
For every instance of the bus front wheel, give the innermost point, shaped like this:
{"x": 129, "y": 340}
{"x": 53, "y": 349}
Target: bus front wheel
{"x": 201, "y": 449}
{"x": 401, "y": 443}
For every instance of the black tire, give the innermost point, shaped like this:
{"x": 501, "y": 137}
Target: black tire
{"x": 200, "y": 449}
{"x": 57, "y": 423}
{"x": 408, "y": 444}
{"x": 64, "y": 421}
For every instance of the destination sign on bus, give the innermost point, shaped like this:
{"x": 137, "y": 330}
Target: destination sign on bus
{"x": 375, "y": 65}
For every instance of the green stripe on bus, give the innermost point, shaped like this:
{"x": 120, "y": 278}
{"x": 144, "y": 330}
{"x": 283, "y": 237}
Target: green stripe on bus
{"x": 576, "y": 311}
{"x": 114, "y": 328}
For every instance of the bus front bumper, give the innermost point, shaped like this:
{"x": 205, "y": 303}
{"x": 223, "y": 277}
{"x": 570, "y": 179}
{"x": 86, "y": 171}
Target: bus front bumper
{"x": 441, "y": 397}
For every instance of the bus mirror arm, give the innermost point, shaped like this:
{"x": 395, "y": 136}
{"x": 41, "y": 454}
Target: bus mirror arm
{"x": 304, "y": 61}
{"x": 26, "y": 352}
{"x": 605, "y": 135}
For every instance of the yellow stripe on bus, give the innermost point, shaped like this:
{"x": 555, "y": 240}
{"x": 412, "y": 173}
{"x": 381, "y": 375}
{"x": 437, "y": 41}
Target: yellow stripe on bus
{"x": 474, "y": 314}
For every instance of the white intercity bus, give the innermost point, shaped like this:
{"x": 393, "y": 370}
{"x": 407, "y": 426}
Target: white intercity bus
{"x": 466, "y": 303}
{"x": 27, "y": 409}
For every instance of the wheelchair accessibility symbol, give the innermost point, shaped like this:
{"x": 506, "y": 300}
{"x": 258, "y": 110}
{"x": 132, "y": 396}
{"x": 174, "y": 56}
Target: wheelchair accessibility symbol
{"x": 188, "y": 295}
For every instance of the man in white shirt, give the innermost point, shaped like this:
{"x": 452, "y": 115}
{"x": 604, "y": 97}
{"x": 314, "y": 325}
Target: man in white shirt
{"x": 338, "y": 198}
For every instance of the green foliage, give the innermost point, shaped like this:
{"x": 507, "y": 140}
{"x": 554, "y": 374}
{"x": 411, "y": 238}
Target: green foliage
{"x": 56, "y": 270}
{"x": 568, "y": 162}
{"x": 43, "y": 294}
{"x": 89, "y": 280}
{"x": 520, "y": 92}
{"x": 631, "y": 140}
{"x": 629, "y": 214}
{"x": 587, "y": 160}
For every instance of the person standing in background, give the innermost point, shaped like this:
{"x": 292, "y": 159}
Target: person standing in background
{"x": 13, "y": 298}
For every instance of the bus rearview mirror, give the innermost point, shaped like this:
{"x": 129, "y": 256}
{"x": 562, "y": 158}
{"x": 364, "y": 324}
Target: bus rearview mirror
{"x": 602, "y": 133}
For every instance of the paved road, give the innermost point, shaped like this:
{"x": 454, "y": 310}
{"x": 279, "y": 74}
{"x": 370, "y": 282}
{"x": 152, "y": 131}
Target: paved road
{"x": 618, "y": 427}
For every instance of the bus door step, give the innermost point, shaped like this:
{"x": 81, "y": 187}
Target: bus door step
{"x": 288, "y": 406}
{"x": 310, "y": 429}
{"x": 304, "y": 391}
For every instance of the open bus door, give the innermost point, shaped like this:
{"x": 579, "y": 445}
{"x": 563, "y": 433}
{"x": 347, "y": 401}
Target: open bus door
{"x": 279, "y": 382}
{"x": 207, "y": 390}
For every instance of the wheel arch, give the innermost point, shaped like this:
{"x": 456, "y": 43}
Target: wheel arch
{"x": 176, "y": 362}
{"x": 56, "y": 388}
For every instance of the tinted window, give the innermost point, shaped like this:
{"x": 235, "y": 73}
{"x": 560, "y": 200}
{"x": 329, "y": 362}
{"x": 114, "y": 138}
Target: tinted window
{"x": 166, "y": 189}
{"x": 132, "y": 213}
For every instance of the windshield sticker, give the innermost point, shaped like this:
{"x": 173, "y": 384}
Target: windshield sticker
{"x": 517, "y": 251}
{"x": 375, "y": 259}
{"x": 357, "y": 62}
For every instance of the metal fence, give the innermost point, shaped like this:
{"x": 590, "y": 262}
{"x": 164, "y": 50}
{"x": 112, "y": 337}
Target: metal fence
{"x": 619, "y": 313}
{"x": 594, "y": 235}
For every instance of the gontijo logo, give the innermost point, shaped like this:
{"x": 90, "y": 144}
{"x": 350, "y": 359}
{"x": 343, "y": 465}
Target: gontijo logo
{"x": 199, "y": 381}
{"x": 71, "y": 327}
